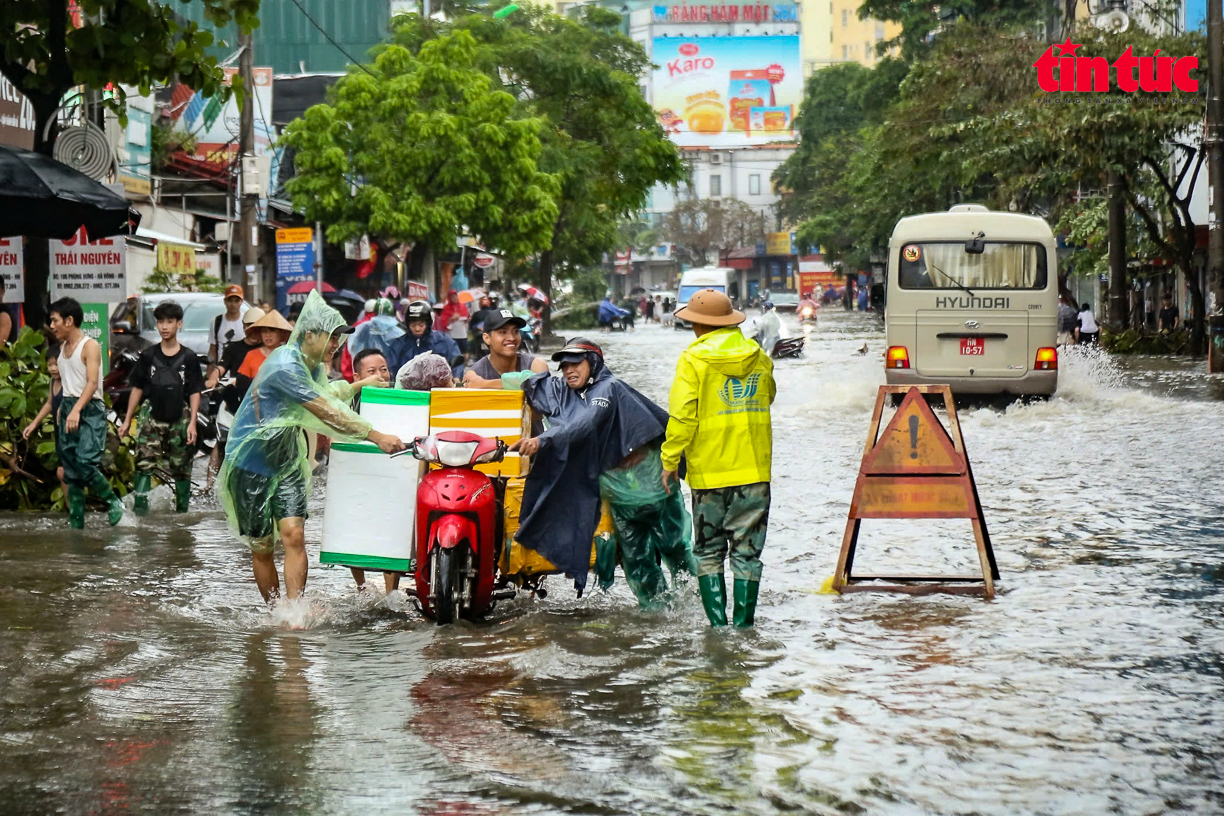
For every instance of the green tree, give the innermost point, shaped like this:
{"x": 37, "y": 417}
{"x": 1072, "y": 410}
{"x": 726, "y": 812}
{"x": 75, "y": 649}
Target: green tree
{"x": 45, "y": 53}
{"x": 601, "y": 138}
{"x": 418, "y": 145}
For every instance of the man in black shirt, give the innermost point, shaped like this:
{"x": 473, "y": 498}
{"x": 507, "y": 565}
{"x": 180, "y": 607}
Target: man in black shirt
{"x": 169, "y": 376}
{"x": 1168, "y": 313}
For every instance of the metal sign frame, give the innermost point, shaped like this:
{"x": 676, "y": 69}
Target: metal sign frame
{"x": 949, "y": 490}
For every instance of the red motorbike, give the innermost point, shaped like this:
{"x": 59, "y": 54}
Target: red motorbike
{"x": 458, "y": 526}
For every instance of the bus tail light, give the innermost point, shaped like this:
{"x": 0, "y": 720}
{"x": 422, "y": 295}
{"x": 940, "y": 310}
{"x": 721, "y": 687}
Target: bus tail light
{"x": 898, "y": 357}
{"x": 1047, "y": 359}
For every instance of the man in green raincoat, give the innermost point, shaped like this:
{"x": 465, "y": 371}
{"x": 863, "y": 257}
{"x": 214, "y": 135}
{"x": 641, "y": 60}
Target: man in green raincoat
{"x": 265, "y": 481}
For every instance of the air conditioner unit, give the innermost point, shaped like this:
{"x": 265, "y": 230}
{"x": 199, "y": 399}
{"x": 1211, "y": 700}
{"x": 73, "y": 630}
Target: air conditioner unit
{"x": 716, "y": 158}
{"x": 221, "y": 232}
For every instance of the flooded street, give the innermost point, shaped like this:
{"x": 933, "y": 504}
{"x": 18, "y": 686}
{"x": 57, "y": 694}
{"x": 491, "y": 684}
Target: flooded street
{"x": 139, "y": 673}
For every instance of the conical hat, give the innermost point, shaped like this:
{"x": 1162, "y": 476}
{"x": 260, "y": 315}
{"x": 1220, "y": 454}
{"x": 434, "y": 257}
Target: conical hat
{"x": 272, "y": 320}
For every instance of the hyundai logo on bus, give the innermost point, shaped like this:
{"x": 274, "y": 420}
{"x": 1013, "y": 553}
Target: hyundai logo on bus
{"x": 972, "y": 303}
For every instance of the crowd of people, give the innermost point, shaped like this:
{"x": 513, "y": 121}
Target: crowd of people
{"x": 595, "y": 439}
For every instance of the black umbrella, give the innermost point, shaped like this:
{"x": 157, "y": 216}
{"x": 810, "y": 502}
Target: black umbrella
{"x": 43, "y": 198}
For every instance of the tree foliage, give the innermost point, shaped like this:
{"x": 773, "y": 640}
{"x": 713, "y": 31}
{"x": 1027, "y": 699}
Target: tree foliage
{"x": 420, "y": 145}
{"x": 701, "y": 228}
{"x": 969, "y": 123}
{"x": 45, "y": 52}
{"x": 601, "y": 139}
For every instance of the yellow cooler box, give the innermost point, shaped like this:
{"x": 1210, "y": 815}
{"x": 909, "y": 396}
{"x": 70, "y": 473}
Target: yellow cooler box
{"x": 517, "y": 559}
{"x": 490, "y": 413}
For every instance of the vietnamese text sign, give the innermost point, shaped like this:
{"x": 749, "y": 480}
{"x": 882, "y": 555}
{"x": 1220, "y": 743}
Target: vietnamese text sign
{"x": 94, "y": 271}
{"x": 16, "y": 117}
{"x": 12, "y": 270}
{"x": 780, "y": 243}
{"x": 294, "y": 262}
{"x": 175, "y": 258}
{"x": 95, "y": 325}
{"x": 721, "y": 13}
{"x": 727, "y": 91}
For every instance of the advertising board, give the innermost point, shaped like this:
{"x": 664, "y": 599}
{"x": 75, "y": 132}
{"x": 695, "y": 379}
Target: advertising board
{"x": 294, "y": 263}
{"x": 94, "y": 271}
{"x": 12, "y": 269}
{"x": 727, "y": 91}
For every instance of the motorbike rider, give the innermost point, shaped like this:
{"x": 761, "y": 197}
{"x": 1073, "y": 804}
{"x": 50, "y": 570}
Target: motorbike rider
{"x": 598, "y": 423}
{"x": 769, "y": 327}
{"x": 501, "y": 335}
{"x": 421, "y": 339}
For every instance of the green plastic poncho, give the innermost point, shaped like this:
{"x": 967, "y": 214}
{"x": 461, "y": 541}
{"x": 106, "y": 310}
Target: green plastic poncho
{"x": 266, "y": 474}
{"x": 652, "y": 527}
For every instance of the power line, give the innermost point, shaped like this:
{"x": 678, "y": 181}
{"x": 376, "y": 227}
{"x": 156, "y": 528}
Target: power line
{"x": 328, "y": 37}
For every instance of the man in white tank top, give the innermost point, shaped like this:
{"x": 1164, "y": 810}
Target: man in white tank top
{"x": 82, "y": 419}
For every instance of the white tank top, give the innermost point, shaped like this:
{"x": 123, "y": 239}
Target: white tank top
{"x": 72, "y": 372}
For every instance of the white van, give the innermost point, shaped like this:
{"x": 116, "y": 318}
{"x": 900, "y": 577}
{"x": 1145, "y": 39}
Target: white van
{"x": 718, "y": 278}
{"x": 973, "y": 302}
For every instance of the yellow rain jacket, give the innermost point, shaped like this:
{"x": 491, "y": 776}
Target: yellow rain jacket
{"x": 720, "y": 412}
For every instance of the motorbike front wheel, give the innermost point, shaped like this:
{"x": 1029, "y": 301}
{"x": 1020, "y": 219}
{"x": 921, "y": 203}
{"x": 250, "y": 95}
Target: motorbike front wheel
{"x": 447, "y": 581}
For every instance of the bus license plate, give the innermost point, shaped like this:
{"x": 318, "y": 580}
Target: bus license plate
{"x": 973, "y": 346}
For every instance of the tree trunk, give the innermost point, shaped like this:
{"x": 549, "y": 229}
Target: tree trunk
{"x": 1118, "y": 302}
{"x": 37, "y": 253}
{"x": 416, "y": 266}
{"x": 1198, "y": 323}
{"x": 546, "y": 269}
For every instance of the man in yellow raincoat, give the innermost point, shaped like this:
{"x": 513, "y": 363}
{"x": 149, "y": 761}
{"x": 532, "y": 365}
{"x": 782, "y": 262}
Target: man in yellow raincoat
{"x": 265, "y": 481}
{"x": 719, "y": 419}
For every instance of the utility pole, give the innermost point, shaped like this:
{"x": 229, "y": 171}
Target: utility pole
{"x": 1119, "y": 318}
{"x": 249, "y": 199}
{"x": 1215, "y": 185}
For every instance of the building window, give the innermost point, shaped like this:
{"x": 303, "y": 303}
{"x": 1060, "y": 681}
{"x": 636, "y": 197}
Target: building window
{"x": 715, "y": 185}
{"x": 830, "y": 35}
{"x": 845, "y": 17}
{"x": 754, "y": 184}
{"x": 845, "y": 52}
{"x": 866, "y": 50}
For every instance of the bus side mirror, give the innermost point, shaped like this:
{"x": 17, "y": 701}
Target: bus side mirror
{"x": 976, "y": 245}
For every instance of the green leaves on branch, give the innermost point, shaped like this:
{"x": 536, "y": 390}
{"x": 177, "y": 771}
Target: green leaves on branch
{"x": 138, "y": 44}
{"x": 425, "y": 144}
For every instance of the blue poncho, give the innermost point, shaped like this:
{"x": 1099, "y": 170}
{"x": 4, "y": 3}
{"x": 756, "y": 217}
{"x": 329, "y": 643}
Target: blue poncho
{"x": 591, "y": 431}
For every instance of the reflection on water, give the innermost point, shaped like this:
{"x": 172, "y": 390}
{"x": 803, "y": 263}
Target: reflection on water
{"x": 138, "y": 672}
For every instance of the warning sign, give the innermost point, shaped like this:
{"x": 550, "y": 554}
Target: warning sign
{"x": 915, "y": 469}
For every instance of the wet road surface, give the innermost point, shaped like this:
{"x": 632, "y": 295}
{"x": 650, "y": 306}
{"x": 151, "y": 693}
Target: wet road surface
{"x": 139, "y": 674}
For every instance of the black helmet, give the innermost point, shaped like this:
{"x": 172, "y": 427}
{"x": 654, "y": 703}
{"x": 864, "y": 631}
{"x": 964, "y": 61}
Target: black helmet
{"x": 419, "y": 310}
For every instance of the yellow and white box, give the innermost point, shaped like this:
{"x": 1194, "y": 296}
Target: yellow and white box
{"x": 491, "y": 413}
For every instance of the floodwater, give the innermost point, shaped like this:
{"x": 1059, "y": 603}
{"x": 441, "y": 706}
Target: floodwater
{"x": 139, "y": 673}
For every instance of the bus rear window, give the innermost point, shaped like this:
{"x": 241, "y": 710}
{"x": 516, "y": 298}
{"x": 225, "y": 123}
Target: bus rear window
{"x": 946, "y": 265}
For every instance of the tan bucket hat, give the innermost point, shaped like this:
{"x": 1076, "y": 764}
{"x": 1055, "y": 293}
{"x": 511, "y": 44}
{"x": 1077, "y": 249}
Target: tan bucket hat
{"x": 710, "y": 307}
{"x": 272, "y": 320}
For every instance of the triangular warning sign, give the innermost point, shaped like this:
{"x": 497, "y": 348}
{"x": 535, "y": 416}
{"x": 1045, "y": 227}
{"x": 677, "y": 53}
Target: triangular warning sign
{"x": 914, "y": 442}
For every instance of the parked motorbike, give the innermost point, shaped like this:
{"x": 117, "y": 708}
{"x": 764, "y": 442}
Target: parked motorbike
{"x": 115, "y": 384}
{"x": 457, "y": 527}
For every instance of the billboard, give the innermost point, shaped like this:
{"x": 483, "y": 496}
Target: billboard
{"x": 215, "y": 124}
{"x": 727, "y": 91}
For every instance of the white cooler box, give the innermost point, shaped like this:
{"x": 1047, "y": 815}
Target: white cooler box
{"x": 369, "y": 516}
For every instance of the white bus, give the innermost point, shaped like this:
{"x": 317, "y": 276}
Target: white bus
{"x": 718, "y": 278}
{"x": 973, "y": 302}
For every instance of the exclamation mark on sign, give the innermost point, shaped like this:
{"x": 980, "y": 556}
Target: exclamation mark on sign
{"x": 913, "y": 437}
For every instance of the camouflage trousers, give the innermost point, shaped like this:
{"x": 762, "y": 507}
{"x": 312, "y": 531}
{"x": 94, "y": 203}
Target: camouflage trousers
{"x": 734, "y": 519}
{"x": 163, "y": 445}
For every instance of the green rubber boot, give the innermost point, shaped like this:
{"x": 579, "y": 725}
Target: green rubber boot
{"x": 714, "y": 598}
{"x": 745, "y": 599}
{"x": 76, "y": 507}
{"x": 182, "y": 496}
{"x": 140, "y": 500}
{"x": 102, "y": 489}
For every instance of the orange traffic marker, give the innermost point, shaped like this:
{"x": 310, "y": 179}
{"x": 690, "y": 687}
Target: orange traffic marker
{"x": 915, "y": 469}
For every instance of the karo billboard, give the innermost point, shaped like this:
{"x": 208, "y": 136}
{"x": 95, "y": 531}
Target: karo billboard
{"x": 727, "y": 91}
